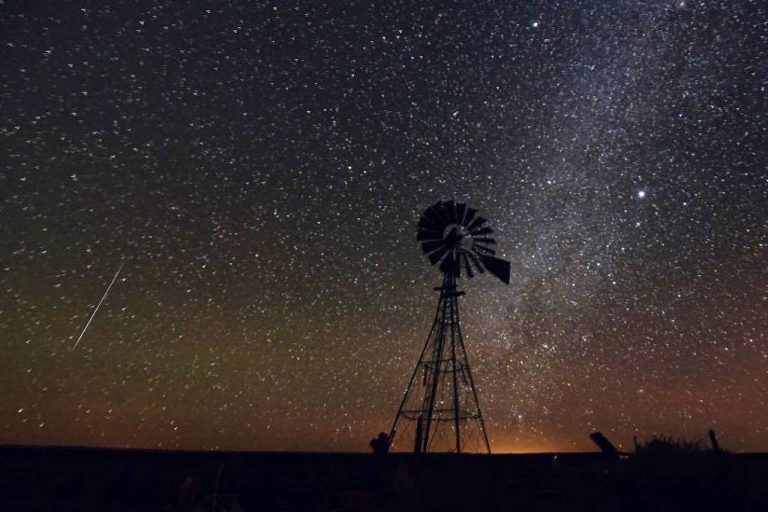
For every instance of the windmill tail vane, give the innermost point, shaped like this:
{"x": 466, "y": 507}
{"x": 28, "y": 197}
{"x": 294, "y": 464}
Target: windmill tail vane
{"x": 440, "y": 410}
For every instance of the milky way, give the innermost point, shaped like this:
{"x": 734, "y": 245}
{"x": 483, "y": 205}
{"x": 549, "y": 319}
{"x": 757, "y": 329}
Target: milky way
{"x": 260, "y": 168}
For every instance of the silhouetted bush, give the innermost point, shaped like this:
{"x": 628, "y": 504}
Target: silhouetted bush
{"x": 675, "y": 473}
{"x": 662, "y": 446}
{"x": 666, "y": 457}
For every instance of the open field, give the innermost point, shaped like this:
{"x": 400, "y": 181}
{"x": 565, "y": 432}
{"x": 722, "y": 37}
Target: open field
{"x": 69, "y": 479}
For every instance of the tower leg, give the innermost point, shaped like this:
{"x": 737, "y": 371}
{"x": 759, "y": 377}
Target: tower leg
{"x": 419, "y": 435}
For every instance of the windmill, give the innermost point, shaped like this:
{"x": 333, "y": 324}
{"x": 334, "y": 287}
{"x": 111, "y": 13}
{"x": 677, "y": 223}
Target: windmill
{"x": 440, "y": 411}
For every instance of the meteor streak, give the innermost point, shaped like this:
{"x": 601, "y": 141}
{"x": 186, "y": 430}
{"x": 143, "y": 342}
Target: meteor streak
{"x": 88, "y": 323}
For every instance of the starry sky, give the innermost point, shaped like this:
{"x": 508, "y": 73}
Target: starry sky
{"x": 259, "y": 168}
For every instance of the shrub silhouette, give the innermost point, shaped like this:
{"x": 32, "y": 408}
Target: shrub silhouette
{"x": 681, "y": 474}
{"x": 662, "y": 446}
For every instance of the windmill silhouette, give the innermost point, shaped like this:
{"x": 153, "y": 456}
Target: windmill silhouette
{"x": 440, "y": 411}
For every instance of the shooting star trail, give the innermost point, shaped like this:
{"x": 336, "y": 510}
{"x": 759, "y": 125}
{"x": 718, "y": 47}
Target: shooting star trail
{"x": 99, "y": 305}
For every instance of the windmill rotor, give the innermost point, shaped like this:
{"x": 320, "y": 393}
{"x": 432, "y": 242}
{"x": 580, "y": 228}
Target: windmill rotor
{"x": 454, "y": 236}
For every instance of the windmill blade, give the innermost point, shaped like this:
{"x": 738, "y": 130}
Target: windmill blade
{"x": 461, "y": 209}
{"x": 485, "y": 231}
{"x": 435, "y": 210}
{"x": 477, "y": 223}
{"x": 498, "y": 267}
{"x": 477, "y": 263}
{"x": 428, "y": 234}
{"x": 435, "y": 256}
{"x": 449, "y": 265}
{"x": 467, "y": 265}
{"x": 469, "y": 216}
{"x": 482, "y": 248}
{"x": 485, "y": 240}
{"x": 430, "y": 224}
{"x": 432, "y": 245}
{"x": 433, "y": 215}
{"x": 451, "y": 205}
{"x": 447, "y": 212}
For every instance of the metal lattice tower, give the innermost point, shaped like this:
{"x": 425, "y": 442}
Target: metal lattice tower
{"x": 440, "y": 411}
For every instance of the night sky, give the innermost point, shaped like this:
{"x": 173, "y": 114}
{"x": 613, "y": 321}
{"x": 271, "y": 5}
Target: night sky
{"x": 259, "y": 169}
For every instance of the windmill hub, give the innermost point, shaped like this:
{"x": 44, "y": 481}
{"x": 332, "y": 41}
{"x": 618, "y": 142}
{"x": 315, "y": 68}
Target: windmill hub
{"x": 440, "y": 410}
{"x": 457, "y": 237}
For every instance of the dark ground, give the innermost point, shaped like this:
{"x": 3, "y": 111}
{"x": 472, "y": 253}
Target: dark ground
{"x": 69, "y": 479}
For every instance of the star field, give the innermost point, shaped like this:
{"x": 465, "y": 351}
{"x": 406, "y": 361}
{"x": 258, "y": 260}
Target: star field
{"x": 260, "y": 168}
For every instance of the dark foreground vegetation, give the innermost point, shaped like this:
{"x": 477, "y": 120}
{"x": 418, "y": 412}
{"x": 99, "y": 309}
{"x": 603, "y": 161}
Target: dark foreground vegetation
{"x": 656, "y": 478}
